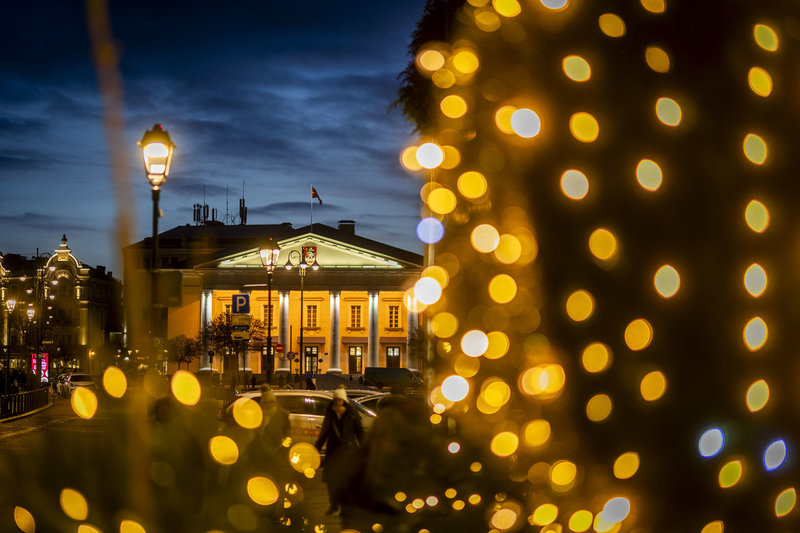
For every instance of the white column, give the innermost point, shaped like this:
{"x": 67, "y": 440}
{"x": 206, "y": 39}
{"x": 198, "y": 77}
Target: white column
{"x": 334, "y": 362}
{"x": 372, "y": 341}
{"x": 412, "y": 360}
{"x": 283, "y": 331}
{"x": 205, "y": 320}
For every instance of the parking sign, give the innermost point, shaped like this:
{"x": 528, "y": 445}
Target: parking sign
{"x": 240, "y": 303}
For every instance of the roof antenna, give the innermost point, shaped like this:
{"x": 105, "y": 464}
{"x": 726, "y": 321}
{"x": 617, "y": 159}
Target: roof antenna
{"x": 242, "y": 208}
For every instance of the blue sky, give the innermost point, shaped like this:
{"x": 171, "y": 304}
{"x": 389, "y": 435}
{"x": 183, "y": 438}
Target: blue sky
{"x": 266, "y": 96}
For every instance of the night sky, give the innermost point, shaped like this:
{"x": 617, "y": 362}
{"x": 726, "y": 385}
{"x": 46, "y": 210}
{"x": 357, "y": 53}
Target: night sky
{"x": 266, "y": 97}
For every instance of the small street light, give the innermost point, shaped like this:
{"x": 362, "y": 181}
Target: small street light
{"x": 269, "y": 253}
{"x": 10, "y": 306}
{"x": 157, "y": 150}
{"x": 301, "y": 262}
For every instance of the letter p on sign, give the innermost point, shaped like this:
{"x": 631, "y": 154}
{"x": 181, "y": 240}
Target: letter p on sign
{"x": 241, "y": 303}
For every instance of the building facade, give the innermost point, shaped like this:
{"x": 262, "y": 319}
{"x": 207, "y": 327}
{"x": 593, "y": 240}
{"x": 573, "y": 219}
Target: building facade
{"x": 347, "y": 314}
{"x": 66, "y": 315}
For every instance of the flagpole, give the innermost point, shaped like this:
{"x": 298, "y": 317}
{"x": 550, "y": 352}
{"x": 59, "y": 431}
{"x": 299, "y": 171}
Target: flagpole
{"x": 311, "y": 207}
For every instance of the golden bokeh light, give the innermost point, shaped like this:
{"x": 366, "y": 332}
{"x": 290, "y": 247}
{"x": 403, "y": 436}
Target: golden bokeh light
{"x": 408, "y": 158}
{"x": 24, "y": 520}
{"x": 716, "y": 526}
{"x": 598, "y": 408}
{"x": 544, "y": 514}
{"x": 654, "y": 6}
{"x": 536, "y": 433}
{"x": 667, "y": 281}
{"x": 580, "y": 305}
{"x": 430, "y": 60}
{"x": 574, "y": 184}
{"x": 114, "y": 382}
{"x": 509, "y": 249}
{"x": 612, "y": 25}
{"x": 438, "y": 273}
{"x": 756, "y": 216}
{"x": 503, "y": 519}
{"x": 765, "y": 37}
{"x": 444, "y": 325}
{"x": 755, "y": 280}
{"x": 730, "y": 474}
{"x": 452, "y": 157}
{"x": 304, "y": 456}
{"x": 638, "y": 334}
{"x": 755, "y": 148}
{"x": 657, "y": 59}
{"x": 498, "y": 345}
{"x": 262, "y": 490}
{"x": 223, "y": 450}
{"x": 504, "y": 443}
{"x": 466, "y": 366}
{"x": 502, "y": 288}
{"x": 131, "y": 526}
{"x": 465, "y": 61}
{"x": 757, "y": 396}
{"x": 247, "y": 413}
{"x": 543, "y": 381}
{"x": 755, "y": 333}
{"x": 453, "y": 106}
{"x": 442, "y": 201}
{"x": 472, "y": 184}
{"x": 626, "y": 465}
{"x": 74, "y": 504}
{"x": 603, "y": 244}
{"x": 444, "y": 78}
{"x": 563, "y": 473}
{"x": 584, "y": 127}
{"x": 507, "y": 8}
{"x": 502, "y": 119}
{"x": 596, "y": 357}
{"x": 495, "y": 392}
{"x": 649, "y": 175}
{"x": 185, "y": 387}
{"x": 668, "y": 111}
{"x": 653, "y": 386}
{"x": 84, "y": 402}
{"x": 785, "y": 502}
{"x": 576, "y": 68}
{"x": 760, "y": 81}
{"x": 487, "y": 21}
{"x": 485, "y": 238}
{"x": 580, "y": 521}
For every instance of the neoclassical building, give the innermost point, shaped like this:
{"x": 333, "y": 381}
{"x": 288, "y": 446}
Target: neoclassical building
{"x": 67, "y": 315}
{"x": 353, "y": 310}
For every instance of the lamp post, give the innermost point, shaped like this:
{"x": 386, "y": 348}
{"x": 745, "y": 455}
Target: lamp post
{"x": 157, "y": 150}
{"x": 303, "y": 266}
{"x": 269, "y": 253}
{"x": 10, "y": 306}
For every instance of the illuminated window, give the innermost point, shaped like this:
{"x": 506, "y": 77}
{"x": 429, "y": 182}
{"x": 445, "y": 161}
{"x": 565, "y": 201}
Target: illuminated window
{"x": 355, "y": 316}
{"x": 392, "y": 357}
{"x": 354, "y": 359}
{"x": 311, "y": 316}
{"x": 311, "y": 358}
{"x": 394, "y": 316}
{"x": 228, "y": 309}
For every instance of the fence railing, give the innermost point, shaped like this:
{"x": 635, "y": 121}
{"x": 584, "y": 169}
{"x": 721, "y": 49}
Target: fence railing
{"x": 20, "y": 403}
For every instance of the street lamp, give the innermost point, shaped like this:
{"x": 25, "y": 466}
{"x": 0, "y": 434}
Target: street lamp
{"x": 157, "y": 150}
{"x": 269, "y": 253}
{"x": 301, "y": 262}
{"x": 10, "y": 306}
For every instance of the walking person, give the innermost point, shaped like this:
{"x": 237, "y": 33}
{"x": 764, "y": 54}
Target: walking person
{"x": 344, "y": 433}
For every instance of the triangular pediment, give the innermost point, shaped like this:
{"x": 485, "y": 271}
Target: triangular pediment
{"x": 330, "y": 254}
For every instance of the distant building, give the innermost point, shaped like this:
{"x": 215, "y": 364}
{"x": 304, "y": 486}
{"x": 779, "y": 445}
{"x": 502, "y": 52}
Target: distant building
{"x": 67, "y": 315}
{"x": 353, "y": 306}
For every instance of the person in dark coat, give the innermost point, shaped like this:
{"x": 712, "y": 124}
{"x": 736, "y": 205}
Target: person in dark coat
{"x": 344, "y": 433}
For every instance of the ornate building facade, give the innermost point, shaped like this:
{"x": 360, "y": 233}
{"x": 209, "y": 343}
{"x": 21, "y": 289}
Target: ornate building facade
{"x": 65, "y": 315}
{"x": 353, "y": 312}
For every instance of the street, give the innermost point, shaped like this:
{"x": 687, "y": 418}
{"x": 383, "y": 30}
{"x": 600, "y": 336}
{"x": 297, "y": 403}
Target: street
{"x": 103, "y": 458}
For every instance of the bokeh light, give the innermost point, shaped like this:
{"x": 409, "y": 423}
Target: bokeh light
{"x": 453, "y": 106}
{"x": 114, "y": 382}
{"x": 303, "y": 456}
{"x": 730, "y": 474}
{"x": 430, "y": 230}
{"x": 24, "y": 520}
{"x": 757, "y": 216}
{"x": 755, "y": 280}
{"x": 262, "y": 490}
{"x": 247, "y": 413}
{"x": 574, "y": 184}
{"x": 185, "y": 387}
{"x": 765, "y": 37}
{"x": 638, "y": 334}
{"x": 580, "y": 521}
{"x": 711, "y": 442}
{"x": 598, "y": 408}
{"x": 649, "y": 175}
{"x": 580, "y": 305}
{"x": 544, "y": 514}
{"x": 668, "y": 111}
{"x": 755, "y": 334}
{"x": 441, "y": 200}
{"x": 760, "y": 81}
{"x": 474, "y": 343}
{"x": 653, "y": 386}
{"x": 504, "y": 444}
{"x": 485, "y": 238}
{"x": 74, "y": 504}
{"x": 667, "y": 281}
{"x": 536, "y": 433}
{"x": 455, "y": 388}
{"x": 626, "y": 465}
{"x": 223, "y": 450}
{"x": 657, "y": 59}
{"x": 785, "y": 502}
{"x": 430, "y": 60}
{"x": 472, "y": 184}
{"x": 757, "y": 395}
{"x": 603, "y": 244}
{"x": 616, "y": 510}
{"x": 596, "y": 357}
{"x": 526, "y": 123}
{"x": 84, "y": 402}
{"x": 429, "y": 155}
{"x": 755, "y": 148}
{"x": 502, "y": 288}
{"x": 427, "y": 290}
{"x": 584, "y": 127}
{"x": 576, "y": 68}
{"x": 775, "y": 455}
{"x": 612, "y": 25}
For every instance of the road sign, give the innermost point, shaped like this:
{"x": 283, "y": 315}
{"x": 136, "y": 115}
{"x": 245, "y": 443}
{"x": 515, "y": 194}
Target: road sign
{"x": 240, "y": 327}
{"x": 240, "y": 335}
{"x": 290, "y": 356}
{"x": 279, "y": 348}
{"x": 240, "y": 303}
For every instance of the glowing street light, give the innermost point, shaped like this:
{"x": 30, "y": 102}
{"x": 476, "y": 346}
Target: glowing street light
{"x": 269, "y": 253}
{"x": 301, "y": 262}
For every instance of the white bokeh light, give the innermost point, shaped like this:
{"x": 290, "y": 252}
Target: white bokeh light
{"x": 427, "y": 290}
{"x": 455, "y": 388}
{"x": 526, "y": 123}
{"x": 430, "y": 155}
{"x": 711, "y": 442}
{"x": 474, "y": 343}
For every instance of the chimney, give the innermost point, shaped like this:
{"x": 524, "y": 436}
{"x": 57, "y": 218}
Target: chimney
{"x": 347, "y": 226}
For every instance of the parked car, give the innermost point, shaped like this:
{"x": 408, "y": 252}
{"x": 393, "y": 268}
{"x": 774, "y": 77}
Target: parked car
{"x": 306, "y": 410}
{"x": 381, "y": 377}
{"x": 372, "y": 401}
{"x": 81, "y": 380}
